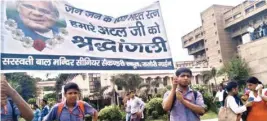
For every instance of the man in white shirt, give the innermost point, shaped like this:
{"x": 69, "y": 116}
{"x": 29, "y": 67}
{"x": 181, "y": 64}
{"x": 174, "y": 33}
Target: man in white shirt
{"x": 219, "y": 95}
{"x": 251, "y": 30}
{"x": 127, "y": 106}
{"x": 137, "y": 107}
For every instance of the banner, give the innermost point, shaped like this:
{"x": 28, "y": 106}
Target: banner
{"x": 56, "y": 36}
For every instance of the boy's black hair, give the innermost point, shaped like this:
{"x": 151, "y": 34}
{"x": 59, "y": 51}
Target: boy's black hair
{"x": 45, "y": 101}
{"x": 71, "y": 85}
{"x": 183, "y": 70}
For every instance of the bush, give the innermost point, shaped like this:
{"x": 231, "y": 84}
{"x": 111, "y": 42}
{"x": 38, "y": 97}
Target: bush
{"x": 32, "y": 101}
{"x": 208, "y": 100}
{"x": 123, "y": 115}
{"x": 110, "y": 113}
{"x": 50, "y": 95}
{"x": 155, "y": 114}
{"x": 155, "y": 104}
{"x": 86, "y": 99}
{"x": 169, "y": 87}
{"x": 165, "y": 117}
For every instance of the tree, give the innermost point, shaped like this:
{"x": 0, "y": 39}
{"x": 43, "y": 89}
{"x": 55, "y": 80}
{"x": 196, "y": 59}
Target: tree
{"x": 149, "y": 85}
{"x": 207, "y": 75}
{"x": 50, "y": 95}
{"x": 99, "y": 94}
{"x": 24, "y": 84}
{"x": 127, "y": 81}
{"x": 237, "y": 70}
{"x": 32, "y": 101}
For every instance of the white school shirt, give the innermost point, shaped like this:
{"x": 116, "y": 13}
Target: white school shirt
{"x": 231, "y": 103}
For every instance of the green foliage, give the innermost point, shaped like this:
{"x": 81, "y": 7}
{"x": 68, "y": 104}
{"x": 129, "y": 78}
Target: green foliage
{"x": 162, "y": 91}
{"x": 200, "y": 88}
{"x": 210, "y": 105}
{"x": 169, "y": 87}
{"x": 164, "y": 117}
{"x": 123, "y": 115}
{"x": 127, "y": 81}
{"x": 155, "y": 104}
{"x": 155, "y": 114}
{"x": 236, "y": 69}
{"x": 32, "y": 101}
{"x": 88, "y": 118}
{"x": 86, "y": 99}
{"x": 24, "y": 84}
{"x": 49, "y": 89}
{"x": 51, "y": 102}
{"x": 50, "y": 95}
{"x": 208, "y": 98}
{"x": 110, "y": 113}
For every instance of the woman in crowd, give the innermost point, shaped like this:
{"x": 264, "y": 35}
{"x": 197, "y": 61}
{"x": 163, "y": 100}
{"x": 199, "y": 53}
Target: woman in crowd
{"x": 258, "y": 110}
{"x": 230, "y": 101}
{"x": 37, "y": 113}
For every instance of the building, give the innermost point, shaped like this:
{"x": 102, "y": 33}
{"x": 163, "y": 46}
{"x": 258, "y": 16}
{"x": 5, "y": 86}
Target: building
{"x": 41, "y": 92}
{"x": 224, "y": 34}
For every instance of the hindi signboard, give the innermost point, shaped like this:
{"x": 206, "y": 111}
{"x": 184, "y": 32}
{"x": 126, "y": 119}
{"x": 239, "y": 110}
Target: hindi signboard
{"x": 56, "y": 36}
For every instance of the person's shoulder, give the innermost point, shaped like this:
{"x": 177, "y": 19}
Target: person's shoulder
{"x": 198, "y": 93}
{"x": 230, "y": 98}
{"x": 56, "y": 106}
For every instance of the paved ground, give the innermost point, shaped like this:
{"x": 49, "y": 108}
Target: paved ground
{"x": 216, "y": 119}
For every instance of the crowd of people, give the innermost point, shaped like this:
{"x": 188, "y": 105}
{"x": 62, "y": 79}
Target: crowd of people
{"x": 186, "y": 104}
{"x": 182, "y": 102}
{"x": 257, "y": 32}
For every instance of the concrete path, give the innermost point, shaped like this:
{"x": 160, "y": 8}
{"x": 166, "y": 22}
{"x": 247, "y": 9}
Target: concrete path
{"x": 216, "y": 119}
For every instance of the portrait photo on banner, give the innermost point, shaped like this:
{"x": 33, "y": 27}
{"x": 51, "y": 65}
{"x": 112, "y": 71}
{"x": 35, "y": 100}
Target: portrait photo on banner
{"x": 36, "y": 24}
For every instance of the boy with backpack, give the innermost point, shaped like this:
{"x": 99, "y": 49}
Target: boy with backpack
{"x": 183, "y": 103}
{"x": 72, "y": 109}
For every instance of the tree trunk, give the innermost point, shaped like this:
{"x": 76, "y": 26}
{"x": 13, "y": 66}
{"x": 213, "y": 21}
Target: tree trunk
{"x": 215, "y": 83}
{"x": 97, "y": 105}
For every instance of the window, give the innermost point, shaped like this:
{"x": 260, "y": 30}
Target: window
{"x": 214, "y": 24}
{"x": 190, "y": 39}
{"x": 212, "y": 15}
{"x": 260, "y": 4}
{"x": 207, "y": 49}
{"x": 237, "y": 15}
{"x": 219, "y": 51}
{"x": 215, "y": 33}
{"x": 217, "y": 42}
{"x": 185, "y": 42}
{"x": 205, "y": 40}
{"x": 248, "y": 10}
{"x": 228, "y": 20}
{"x": 220, "y": 60}
{"x": 202, "y": 21}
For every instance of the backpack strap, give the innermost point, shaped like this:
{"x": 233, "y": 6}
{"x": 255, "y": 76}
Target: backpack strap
{"x": 14, "y": 117}
{"x": 59, "y": 109}
{"x": 173, "y": 102}
{"x": 195, "y": 95}
{"x": 81, "y": 106}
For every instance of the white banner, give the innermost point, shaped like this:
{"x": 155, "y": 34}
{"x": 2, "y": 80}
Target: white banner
{"x": 56, "y": 36}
